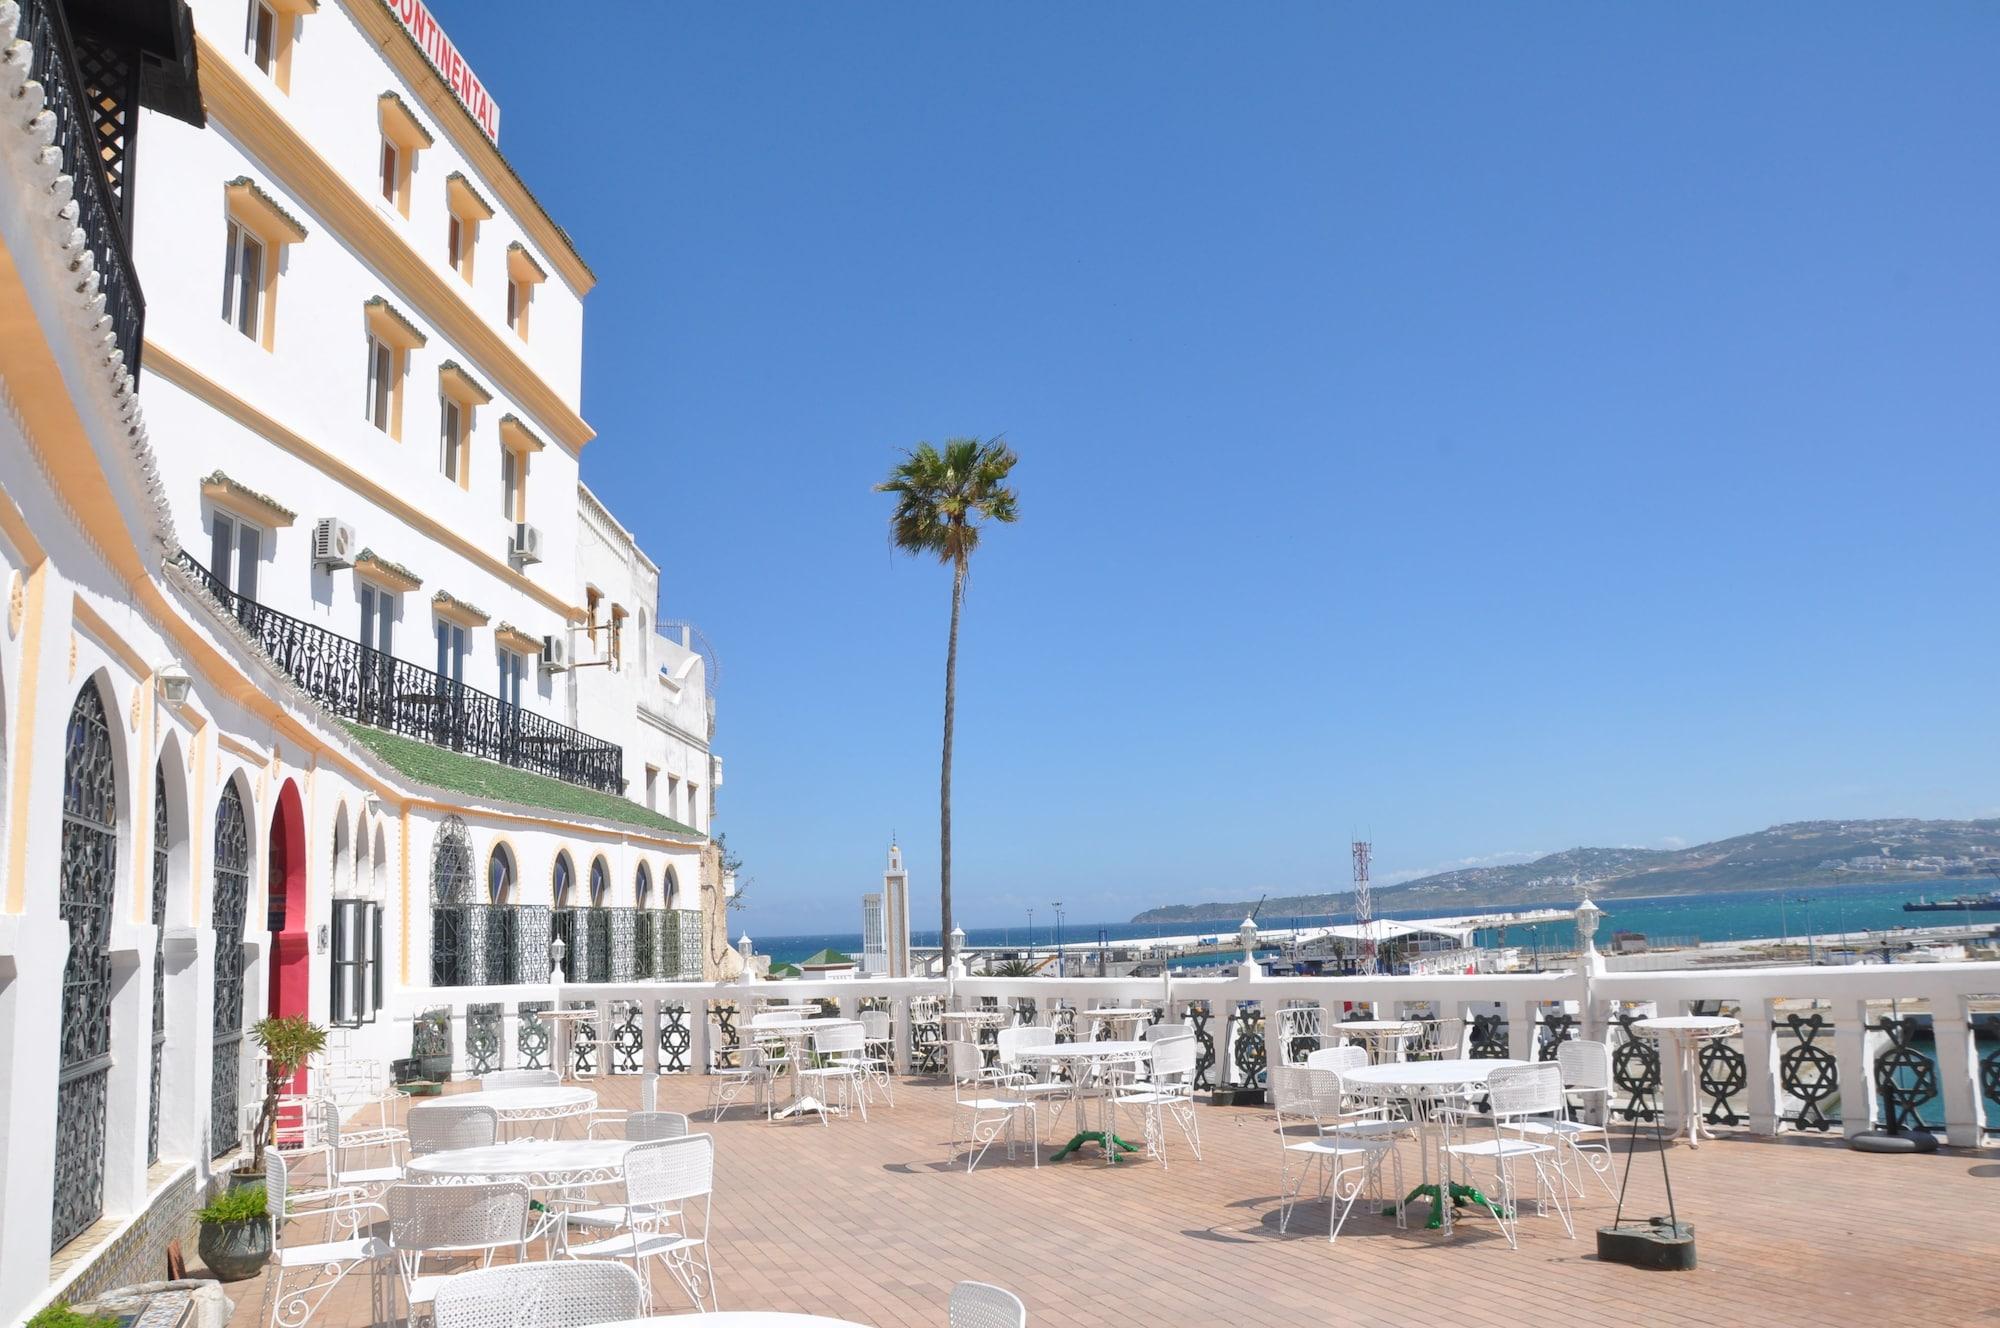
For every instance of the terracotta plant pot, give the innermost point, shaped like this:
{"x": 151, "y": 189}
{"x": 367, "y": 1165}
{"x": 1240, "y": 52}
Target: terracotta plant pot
{"x": 234, "y": 1251}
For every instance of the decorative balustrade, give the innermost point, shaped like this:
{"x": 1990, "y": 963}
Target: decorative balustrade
{"x": 1822, "y": 1048}
{"x": 384, "y": 692}
{"x": 52, "y": 64}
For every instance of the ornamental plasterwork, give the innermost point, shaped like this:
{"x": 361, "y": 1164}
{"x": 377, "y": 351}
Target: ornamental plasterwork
{"x": 72, "y": 656}
{"x": 138, "y": 696}
{"x": 17, "y": 604}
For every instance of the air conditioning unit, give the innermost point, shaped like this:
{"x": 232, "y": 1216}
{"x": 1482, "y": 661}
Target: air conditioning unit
{"x": 555, "y": 653}
{"x": 526, "y": 546}
{"x": 334, "y": 543}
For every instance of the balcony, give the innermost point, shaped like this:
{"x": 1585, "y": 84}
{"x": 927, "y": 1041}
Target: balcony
{"x": 87, "y": 151}
{"x": 369, "y": 687}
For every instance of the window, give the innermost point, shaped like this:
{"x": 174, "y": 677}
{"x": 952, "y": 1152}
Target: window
{"x": 694, "y": 808}
{"x": 653, "y": 787}
{"x": 392, "y": 172}
{"x": 600, "y": 881}
{"x": 523, "y": 275}
{"x": 357, "y": 962}
{"x": 457, "y": 251}
{"x": 260, "y": 39}
{"x": 513, "y": 668}
{"x": 378, "y": 618}
{"x": 517, "y": 307}
{"x": 243, "y": 282}
{"x": 500, "y": 876}
{"x": 381, "y": 383}
{"x": 450, "y": 650}
{"x": 510, "y": 484}
{"x": 403, "y": 138}
{"x": 674, "y": 796}
{"x": 565, "y": 876}
{"x": 451, "y": 440}
{"x": 458, "y": 397}
{"x": 234, "y": 546}
{"x": 467, "y": 209}
{"x": 642, "y": 885}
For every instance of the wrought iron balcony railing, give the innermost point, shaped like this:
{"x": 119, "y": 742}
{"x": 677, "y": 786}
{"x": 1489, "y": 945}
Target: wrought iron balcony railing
{"x": 53, "y": 65}
{"x": 384, "y": 692}
{"x": 481, "y": 945}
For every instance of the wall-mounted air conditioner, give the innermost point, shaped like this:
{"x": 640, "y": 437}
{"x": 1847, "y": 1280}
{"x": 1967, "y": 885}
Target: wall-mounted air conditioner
{"x": 334, "y": 543}
{"x": 555, "y": 653}
{"x": 526, "y": 545}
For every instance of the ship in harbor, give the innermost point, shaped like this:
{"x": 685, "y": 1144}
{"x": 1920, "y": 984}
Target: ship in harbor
{"x": 1986, "y": 903}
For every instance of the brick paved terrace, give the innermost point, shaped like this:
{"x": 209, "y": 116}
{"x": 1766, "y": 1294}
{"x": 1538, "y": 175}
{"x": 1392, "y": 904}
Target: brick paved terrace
{"x": 868, "y": 1222}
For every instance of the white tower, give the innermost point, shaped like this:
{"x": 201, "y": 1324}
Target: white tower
{"x": 896, "y": 913}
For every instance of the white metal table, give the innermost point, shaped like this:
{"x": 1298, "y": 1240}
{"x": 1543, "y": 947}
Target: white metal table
{"x": 1081, "y": 1056}
{"x": 540, "y": 1164}
{"x": 522, "y": 1106}
{"x": 796, "y": 1033}
{"x": 1688, "y": 1032}
{"x": 1421, "y": 1086}
{"x": 736, "y": 1319}
{"x": 1125, "y": 1019}
{"x": 1381, "y": 1036}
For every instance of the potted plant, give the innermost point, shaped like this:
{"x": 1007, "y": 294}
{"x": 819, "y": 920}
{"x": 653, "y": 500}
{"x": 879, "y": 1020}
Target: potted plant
{"x": 289, "y": 1041}
{"x": 430, "y": 1043}
{"x": 235, "y": 1238}
{"x": 60, "y": 1315}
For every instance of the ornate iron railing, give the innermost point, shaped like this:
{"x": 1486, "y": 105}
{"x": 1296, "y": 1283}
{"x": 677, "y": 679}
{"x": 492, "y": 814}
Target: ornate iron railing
{"x": 384, "y": 692}
{"x": 52, "y": 63}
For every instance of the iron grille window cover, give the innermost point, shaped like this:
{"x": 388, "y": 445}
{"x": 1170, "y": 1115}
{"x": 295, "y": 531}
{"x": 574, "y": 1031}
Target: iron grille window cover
{"x": 232, "y": 898}
{"x": 89, "y": 875}
{"x": 159, "y": 903}
{"x": 52, "y": 63}
{"x": 358, "y": 683}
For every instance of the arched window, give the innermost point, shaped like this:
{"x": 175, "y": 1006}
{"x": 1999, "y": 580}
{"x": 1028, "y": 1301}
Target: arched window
{"x": 600, "y": 881}
{"x": 642, "y": 885}
{"x": 88, "y": 882}
{"x": 565, "y": 877}
{"x": 500, "y": 876}
{"x": 451, "y": 891}
{"x": 232, "y": 900}
{"x": 673, "y": 887}
{"x": 162, "y": 855}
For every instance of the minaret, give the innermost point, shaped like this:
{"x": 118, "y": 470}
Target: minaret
{"x": 896, "y": 912}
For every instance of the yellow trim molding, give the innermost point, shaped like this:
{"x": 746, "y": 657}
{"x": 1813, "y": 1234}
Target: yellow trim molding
{"x": 257, "y": 121}
{"x": 401, "y": 126}
{"x": 249, "y": 204}
{"x": 219, "y": 489}
{"x": 519, "y": 436}
{"x": 461, "y": 386}
{"x": 449, "y": 606}
{"x": 372, "y": 566}
{"x": 515, "y": 639}
{"x": 386, "y": 321}
{"x": 464, "y": 199}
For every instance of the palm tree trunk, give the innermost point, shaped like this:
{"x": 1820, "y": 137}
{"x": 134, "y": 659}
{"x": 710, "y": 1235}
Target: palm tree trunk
{"x": 944, "y": 777}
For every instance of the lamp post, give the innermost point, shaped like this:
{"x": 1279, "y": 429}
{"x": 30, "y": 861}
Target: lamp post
{"x": 743, "y": 949}
{"x": 1587, "y": 915}
{"x": 557, "y": 949}
{"x": 958, "y": 949}
{"x": 1031, "y": 936}
{"x": 1057, "y": 906}
{"x": 1247, "y": 935}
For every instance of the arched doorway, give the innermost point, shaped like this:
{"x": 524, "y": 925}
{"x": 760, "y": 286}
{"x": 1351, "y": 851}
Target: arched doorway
{"x": 88, "y": 884}
{"x": 291, "y": 956}
{"x": 231, "y": 890}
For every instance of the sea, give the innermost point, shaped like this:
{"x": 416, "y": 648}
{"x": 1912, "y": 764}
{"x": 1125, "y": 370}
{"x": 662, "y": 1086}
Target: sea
{"x": 1799, "y": 913}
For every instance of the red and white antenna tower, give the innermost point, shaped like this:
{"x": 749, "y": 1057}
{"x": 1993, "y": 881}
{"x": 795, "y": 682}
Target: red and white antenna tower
{"x": 1364, "y": 904}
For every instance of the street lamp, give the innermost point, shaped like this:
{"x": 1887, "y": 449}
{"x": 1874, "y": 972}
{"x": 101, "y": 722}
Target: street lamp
{"x": 1057, "y": 906}
{"x": 1247, "y": 936}
{"x": 1031, "y": 936}
{"x": 958, "y": 947}
{"x": 557, "y": 949}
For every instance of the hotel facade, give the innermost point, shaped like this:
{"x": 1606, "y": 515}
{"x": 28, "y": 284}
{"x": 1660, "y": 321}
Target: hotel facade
{"x": 323, "y": 680}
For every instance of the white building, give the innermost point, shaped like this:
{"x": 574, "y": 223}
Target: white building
{"x": 874, "y": 938}
{"x": 896, "y": 914}
{"x": 323, "y": 681}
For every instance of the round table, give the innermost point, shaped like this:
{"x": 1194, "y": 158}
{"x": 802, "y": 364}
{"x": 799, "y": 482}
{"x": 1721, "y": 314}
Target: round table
{"x": 1079, "y": 1055}
{"x": 1420, "y": 1086}
{"x": 518, "y": 1106}
{"x": 1135, "y": 1015}
{"x": 1381, "y": 1035}
{"x": 736, "y": 1319}
{"x": 541, "y": 1164}
{"x": 1688, "y": 1032}
{"x": 795, "y": 1033}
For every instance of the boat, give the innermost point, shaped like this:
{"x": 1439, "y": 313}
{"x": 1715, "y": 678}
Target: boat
{"x": 1986, "y": 903}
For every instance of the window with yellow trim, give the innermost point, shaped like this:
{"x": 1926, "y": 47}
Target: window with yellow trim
{"x": 256, "y": 231}
{"x": 268, "y": 26}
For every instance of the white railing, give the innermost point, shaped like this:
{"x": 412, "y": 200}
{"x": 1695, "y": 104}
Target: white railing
{"x": 1511, "y": 1014}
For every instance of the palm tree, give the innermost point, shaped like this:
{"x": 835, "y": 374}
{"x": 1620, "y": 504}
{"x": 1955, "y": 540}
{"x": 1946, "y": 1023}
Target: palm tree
{"x": 943, "y": 499}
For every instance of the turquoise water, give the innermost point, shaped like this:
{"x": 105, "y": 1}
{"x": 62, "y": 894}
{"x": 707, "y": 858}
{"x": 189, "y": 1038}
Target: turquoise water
{"x": 1745, "y": 915}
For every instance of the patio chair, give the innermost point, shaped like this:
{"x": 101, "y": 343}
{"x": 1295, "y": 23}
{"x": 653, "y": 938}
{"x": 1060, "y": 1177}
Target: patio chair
{"x": 878, "y": 1032}
{"x": 752, "y": 1074}
{"x": 841, "y": 1062}
{"x": 1167, "y": 1092}
{"x": 983, "y": 1111}
{"x": 452, "y": 1221}
{"x": 300, "y": 1277}
{"x": 642, "y": 1127}
{"x": 1438, "y": 1040}
{"x": 981, "y": 1305}
{"x": 520, "y": 1079}
{"x": 1582, "y": 1142}
{"x": 664, "y": 1181}
{"x": 566, "y": 1294}
{"x": 1028, "y": 1077}
{"x": 437, "y": 1127}
{"x": 1345, "y": 1165}
{"x": 1353, "y": 1115}
{"x": 1517, "y": 1094}
{"x": 373, "y": 1180}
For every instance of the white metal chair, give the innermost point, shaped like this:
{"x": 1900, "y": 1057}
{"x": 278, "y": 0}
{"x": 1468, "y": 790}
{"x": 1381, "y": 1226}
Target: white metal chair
{"x": 878, "y": 1032}
{"x": 878, "y": 1070}
{"x": 1352, "y": 1116}
{"x": 1032, "y": 1078}
{"x": 983, "y": 1111}
{"x": 520, "y": 1079}
{"x": 1345, "y": 1165}
{"x": 643, "y": 1126}
{"x": 838, "y": 1049}
{"x": 1514, "y": 1095}
{"x": 437, "y": 1127}
{"x": 300, "y": 1277}
{"x": 1167, "y": 1093}
{"x": 1584, "y": 1145}
{"x": 565, "y": 1294}
{"x": 339, "y": 1174}
{"x": 982, "y": 1305}
{"x": 452, "y": 1221}
{"x": 664, "y": 1181}
{"x": 750, "y": 1076}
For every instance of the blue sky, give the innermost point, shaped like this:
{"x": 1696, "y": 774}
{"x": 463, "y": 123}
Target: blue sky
{"x": 1492, "y": 429}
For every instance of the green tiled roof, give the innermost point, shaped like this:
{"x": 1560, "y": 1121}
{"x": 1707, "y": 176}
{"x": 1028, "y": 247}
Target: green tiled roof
{"x": 459, "y": 773}
{"x": 827, "y": 959}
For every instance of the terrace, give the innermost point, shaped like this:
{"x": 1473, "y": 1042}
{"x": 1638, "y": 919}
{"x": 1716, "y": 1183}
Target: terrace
{"x": 868, "y": 1221}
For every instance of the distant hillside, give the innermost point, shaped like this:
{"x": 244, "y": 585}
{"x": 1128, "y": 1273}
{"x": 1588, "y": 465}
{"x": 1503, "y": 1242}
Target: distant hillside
{"x": 1804, "y": 852}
